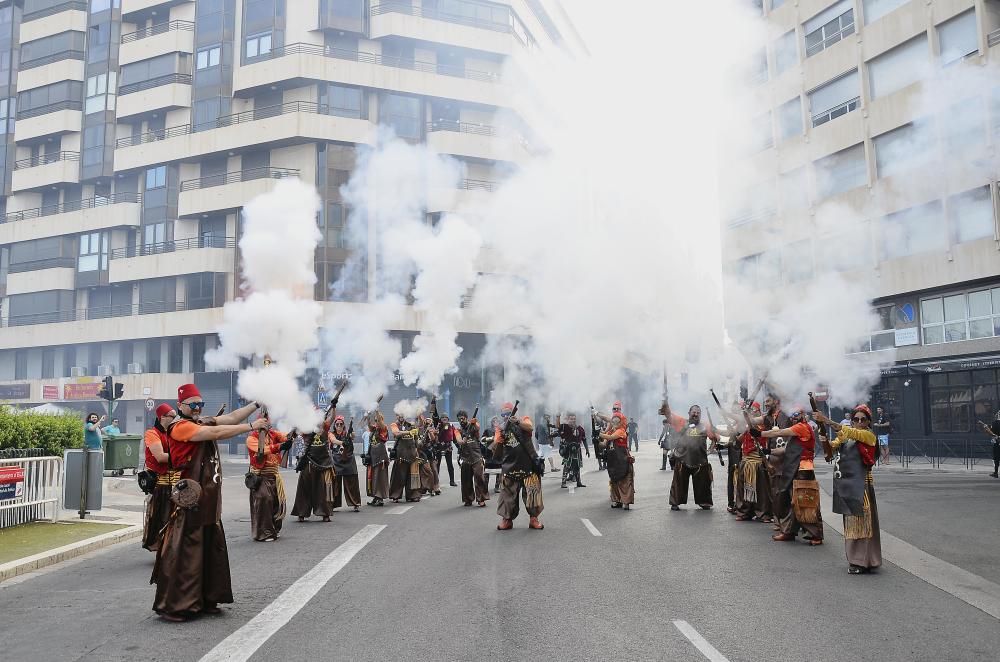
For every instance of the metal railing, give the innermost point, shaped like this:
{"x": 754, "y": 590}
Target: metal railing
{"x": 938, "y": 453}
{"x": 45, "y": 159}
{"x": 846, "y": 31}
{"x": 167, "y": 79}
{"x": 382, "y": 60}
{"x": 40, "y": 494}
{"x": 50, "y": 108}
{"x": 71, "y": 54}
{"x": 159, "y": 28}
{"x": 104, "y": 312}
{"x": 993, "y": 38}
{"x": 461, "y": 127}
{"x": 20, "y": 453}
{"x": 173, "y": 246}
{"x": 67, "y": 262}
{"x": 477, "y": 185}
{"x": 236, "y": 177}
{"x": 436, "y": 15}
{"x": 78, "y": 5}
{"x": 63, "y": 207}
{"x": 835, "y": 112}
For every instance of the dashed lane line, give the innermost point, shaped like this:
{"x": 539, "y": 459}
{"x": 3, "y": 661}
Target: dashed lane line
{"x": 398, "y": 510}
{"x": 590, "y": 527}
{"x": 242, "y": 644}
{"x": 707, "y": 649}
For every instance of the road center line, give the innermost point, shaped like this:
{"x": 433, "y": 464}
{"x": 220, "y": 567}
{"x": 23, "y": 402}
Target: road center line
{"x": 243, "y": 643}
{"x": 590, "y": 527}
{"x": 398, "y": 510}
{"x": 699, "y": 642}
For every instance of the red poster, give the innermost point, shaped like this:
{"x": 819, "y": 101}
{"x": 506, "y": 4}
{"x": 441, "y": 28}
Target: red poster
{"x": 11, "y": 474}
{"x": 86, "y": 391}
{"x": 50, "y": 392}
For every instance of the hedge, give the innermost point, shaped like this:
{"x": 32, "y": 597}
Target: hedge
{"x": 28, "y": 430}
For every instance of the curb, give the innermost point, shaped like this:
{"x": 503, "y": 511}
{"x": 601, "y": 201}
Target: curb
{"x": 66, "y": 552}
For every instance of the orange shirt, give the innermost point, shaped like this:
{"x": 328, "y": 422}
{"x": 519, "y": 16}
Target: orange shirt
{"x": 152, "y": 437}
{"x": 805, "y": 434}
{"x": 181, "y": 446}
{"x": 619, "y": 438}
{"x": 272, "y": 450}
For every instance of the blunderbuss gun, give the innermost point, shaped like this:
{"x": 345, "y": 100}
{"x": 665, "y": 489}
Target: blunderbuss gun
{"x": 756, "y": 391}
{"x": 508, "y": 427}
{"x": 468, "y": 425}
{"x": 262, "y": 436}
{"x": 827, "y": 446}
{"x": 335, "y": 399}
{"x": 600, "y": 448}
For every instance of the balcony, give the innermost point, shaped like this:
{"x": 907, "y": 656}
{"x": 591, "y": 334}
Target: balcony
{"x": 132, "y": 7}
{"x": 88, "y": 215}
{"x": 292, "y": 122}
{"x": 161, "y": 93}
{"x": 201, "y": 255}
{"x": 470, "y": 194}
{"x": 993, "y": 39}
{"x": 60, "y": 17}
{"x": 47, "y": 170}
{"x": 53, "y": 119}
{"x": 321, "y": 63}
{"x": 475, "y": 140}
{"x": 54, "y": 274}
{"x": 66, "y": 66}
{"x": 226, "y": 191}
{"x": 72, "y": 5}
{"x": 160, "y": 39}
{"x": 835, "y": 112}
{"x": 431, "y": 25}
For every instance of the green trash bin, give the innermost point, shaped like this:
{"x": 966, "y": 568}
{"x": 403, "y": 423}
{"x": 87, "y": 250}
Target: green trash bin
{"x": 123, "y": 452}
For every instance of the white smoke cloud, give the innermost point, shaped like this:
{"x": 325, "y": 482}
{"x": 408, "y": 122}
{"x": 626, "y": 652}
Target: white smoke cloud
{"x": 410, "y": 409}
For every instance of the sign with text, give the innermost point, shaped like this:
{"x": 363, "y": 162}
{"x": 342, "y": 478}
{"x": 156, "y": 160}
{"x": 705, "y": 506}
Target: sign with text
{"x": 86, "y": 391}
{"x": 11, "y": 482}
{"x": 50, "y": 391}
{"x": 910, "y": 336}
{"x": 15, "y": 391}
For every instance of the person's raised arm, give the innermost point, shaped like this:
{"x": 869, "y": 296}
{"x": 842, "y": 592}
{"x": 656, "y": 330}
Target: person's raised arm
{"x": 219, "y": 432}
{"x": 237, "y": 416}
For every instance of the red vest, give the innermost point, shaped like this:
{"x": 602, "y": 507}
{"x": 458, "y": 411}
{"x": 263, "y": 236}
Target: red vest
{"x": 151, "y": 462}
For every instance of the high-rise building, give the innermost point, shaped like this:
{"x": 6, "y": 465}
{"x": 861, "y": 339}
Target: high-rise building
{"x": 885, "y": 114}
{"x": 135, "y": 130}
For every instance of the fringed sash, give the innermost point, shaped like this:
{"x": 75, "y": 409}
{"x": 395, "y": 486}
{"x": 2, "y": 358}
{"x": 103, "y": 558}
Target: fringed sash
{"x": 533, "y": 491}
{"x": 279, "y": 486}
{"x": 858, "y": 527}
{"x": 751, "y": 464}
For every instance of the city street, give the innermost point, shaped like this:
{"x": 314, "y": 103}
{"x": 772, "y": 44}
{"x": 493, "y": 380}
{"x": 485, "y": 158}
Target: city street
{"x": 437, "y": 581}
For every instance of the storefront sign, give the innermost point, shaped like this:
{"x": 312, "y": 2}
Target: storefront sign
{"x": 11, "y": 482}
{"x": 50, "y": 392}
{"x": 15, "y": 391}
{"x": 86, "y": 391}
{"x": 910, "y": 336}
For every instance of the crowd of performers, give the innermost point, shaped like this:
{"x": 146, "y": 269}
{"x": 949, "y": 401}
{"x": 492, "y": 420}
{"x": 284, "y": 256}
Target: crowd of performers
{"x": 771, "y": 475}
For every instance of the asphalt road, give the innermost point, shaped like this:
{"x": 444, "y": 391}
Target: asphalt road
{"x": 440, "y": 583}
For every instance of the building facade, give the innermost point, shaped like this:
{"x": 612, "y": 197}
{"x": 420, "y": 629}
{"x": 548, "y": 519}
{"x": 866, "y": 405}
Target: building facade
{"x": 886, "y": 113}
{"x": 135, "y": 130}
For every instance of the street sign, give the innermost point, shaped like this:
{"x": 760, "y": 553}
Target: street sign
{"x": 149, "y": 404}
{"x": 146, "y": 390}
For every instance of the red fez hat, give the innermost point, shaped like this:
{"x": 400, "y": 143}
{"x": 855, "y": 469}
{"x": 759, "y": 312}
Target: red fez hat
{"x": 187, "y": 391}
{"x": 338, "y": 419}
{"x": 163, "y": 410}
{"x": 507, "y": 406}
{"x": 755, "y": 405}
{"x": 866, "y": 409}
{"x": 618, "y": 404}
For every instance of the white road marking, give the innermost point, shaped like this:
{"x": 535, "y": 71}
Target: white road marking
{"x": 242, "y": 644}
{"x": 398, "y": 510}
{"x": 699, "y": 642}
{"x": 590, "y": 527}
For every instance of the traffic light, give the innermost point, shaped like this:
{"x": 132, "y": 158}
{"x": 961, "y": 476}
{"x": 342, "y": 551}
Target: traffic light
{"x": 107, "y": 389}
{"x": 119, "y": 390}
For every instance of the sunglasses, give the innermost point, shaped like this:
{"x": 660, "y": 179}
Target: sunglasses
{"x": 859, "y": 419}
{"x": 196, "y": 405}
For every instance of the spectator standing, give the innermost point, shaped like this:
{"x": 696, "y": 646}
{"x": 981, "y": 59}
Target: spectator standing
{"x": 993, "y": 429}
{"x": 633, "y": 434}
{"x": 112, "y": 430}
{"x": 883, "y": 426}
{"x": 544, "y": 443}
{"x": 92, "y": 431}
{"x": 664, "y": 443}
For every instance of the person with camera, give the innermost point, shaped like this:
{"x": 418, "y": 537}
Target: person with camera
{"x": 512, "y": 439}
{"x": 157, "y": 450}
{"x": 267, "y": 496}
{"x": 191, "y": 572}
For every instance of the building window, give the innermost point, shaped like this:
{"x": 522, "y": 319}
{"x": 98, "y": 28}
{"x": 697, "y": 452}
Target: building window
{"x": 7, "y": 113}
{"x": 343, "y": 101}
{"x": 961, "y": 317}
{"x": 786, "y": 52}
{"x": 829, "y": 26}
{"x": 198, "y": 354}
{"x": 793, "y": 187}
{"x": 48, "y": 363}
{"x": 156, "y": 177}
{"x": 93, "y": 252}
{"x": 914, "y": 231}
{"x": 902, "y": 66}
{"x": 153, "y": 356}
{"x": 761, "y": 133}
{"x": 958, "y": 37}
{"x": 797, "y": 260}
{"x": 93, "y": 145}
{"x": 404, "y": 114}
{"x": 208, "y": 57}
{"x": 908, "y": 147}
{"x": 101, "y": 92}
{"x": 884, "y": 334}
{"x": 21, "y": 364}
{"x": 790, "y": 119}
{"x": 951, "y": 401}
{"x": 154, "y": 236}
{"x": 834, "y": 99}
{"x": 257, "y": 45}
{"x": 175, "y": 355}
{"x": 843, "y": 171}
{"x": 876, "y": 9}
{"x": 971, "y": 215}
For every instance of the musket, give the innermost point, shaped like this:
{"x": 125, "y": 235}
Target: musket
{"x": 435, "y": 419}
{"x": 827, "y": 447}
{"x": 222, "y": 410}
{"x": 262, "y": 436}
{"x": 757, "y": 389}
{"x": 717, "y": 449}
{"x": 335, "y": 399}
{"x": 729, "y": 419}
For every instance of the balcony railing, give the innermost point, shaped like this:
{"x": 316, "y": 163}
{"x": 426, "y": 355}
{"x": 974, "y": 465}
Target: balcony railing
{"x": 993, "y": 38}
{"x": 477, "y": 185}
{"x": 182, "y": 79}
{"x": 835, "y": 112}
{"x": 230, "y": 120}
{"x": 383, "y": 60}
{"x": 434, "y": 14}
{"x": 461, "y": 127}
{"x": 50, "y": 108}
{"x": 159, "y": 28}
{"x": 49, "y": 59}
{"x": 45, "y": 159}
{"x": 67, "y": 262}
{"x": 173, "y": 246}
{"x": 247, "y": 175}
{"x": 77, "y": 5}
{"x": 104, "y": 312}
{"x": 62, "y": 208}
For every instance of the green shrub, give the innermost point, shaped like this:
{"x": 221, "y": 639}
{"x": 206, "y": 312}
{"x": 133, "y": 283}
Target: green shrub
{"x": 27, "y": 430}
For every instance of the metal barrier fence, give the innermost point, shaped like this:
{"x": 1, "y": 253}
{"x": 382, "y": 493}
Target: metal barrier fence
{"x": 36, "y": 491}
{"x": 938, "y": 453}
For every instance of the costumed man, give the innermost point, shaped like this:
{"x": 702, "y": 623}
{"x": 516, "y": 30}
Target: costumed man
{"x": 346, "y": 485}
{"x": 267, "y": 498}
{"x": 621, "y": 473}
{"x": 854, "y": 489}
{"x": 314, "y": 491}
{"x": 690, "y": 458}
{"x": 429, "y": 453}
{"x": 775, "y": 418}
{"x": 405, "y": 475}
{"x": 753, "y": 484}
{"x": 446, "y": 435}
{"x": 798, "y": 480}
{"x": 571, "y": 438}
{"x": 470, "y": 462}
{"x": 603, "y": 424}
{"x": 493, "y": 462}
{"x": 512, "y": 438}
{"x": 191, "y": 572}
{"x": 377, "y": 459}
{"x": 158, "y": 504}
{"x": 734, "y": 452}
{"x": 544, "y": 438}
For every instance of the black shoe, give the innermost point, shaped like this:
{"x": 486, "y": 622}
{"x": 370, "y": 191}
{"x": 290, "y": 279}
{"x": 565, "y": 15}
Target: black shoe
{"x": 453, "y": 484}
{"x": 563, "y": 486}
{"x": 580, "y": 485}
{"x": 672, "y": 507}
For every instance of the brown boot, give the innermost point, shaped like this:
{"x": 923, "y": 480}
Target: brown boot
{"x": 505, "y": 525}
{"x": 533, "y": 523}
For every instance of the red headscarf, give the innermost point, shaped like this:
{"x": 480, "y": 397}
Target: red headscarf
{"x": 865, "y": 409}
{"x": 186, "y": 391}
{"x": 163, "y": 410}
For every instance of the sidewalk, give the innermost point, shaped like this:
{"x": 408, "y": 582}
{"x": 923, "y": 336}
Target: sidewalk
{"x": 36, "y": 545}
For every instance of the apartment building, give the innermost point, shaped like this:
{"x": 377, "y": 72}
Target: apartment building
{"x": 135, "y": 130}
{"x": 886, "y": 112}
